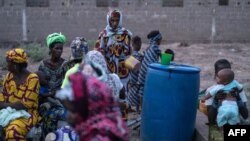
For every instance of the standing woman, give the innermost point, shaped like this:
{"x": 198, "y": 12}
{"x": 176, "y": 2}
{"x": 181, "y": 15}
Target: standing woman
{"x": 54, "y": 68}
{"x": 114, "y": 44}
{"x": 20, "y": 92}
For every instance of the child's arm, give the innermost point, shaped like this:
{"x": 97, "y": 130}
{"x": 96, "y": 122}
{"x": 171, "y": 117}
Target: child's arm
{"x": 206, "y": 97}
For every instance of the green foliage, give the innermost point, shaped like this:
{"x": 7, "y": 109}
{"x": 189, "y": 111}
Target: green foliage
{"x": 215, "y": 134}
{"x": 36, "y": 52}
{"x": 91, "y": 44}
{"x": 248, "y": 88}
{"x": 3, "y": 63}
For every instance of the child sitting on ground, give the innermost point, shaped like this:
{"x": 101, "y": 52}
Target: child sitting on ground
{"x": 227, "y": 95}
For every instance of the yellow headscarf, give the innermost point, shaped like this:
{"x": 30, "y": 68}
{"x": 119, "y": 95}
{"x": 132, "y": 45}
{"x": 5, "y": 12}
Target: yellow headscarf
{"x": 17, "y": 55}
{"x": 55, "y": 37}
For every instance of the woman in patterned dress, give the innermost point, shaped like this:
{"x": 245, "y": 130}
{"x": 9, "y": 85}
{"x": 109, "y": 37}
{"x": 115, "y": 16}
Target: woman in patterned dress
{"x": 20, "y": 91}
{"x": 114, "y": 43}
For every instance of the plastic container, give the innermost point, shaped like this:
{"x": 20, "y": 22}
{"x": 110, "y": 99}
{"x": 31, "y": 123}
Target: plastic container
{"x": 202, "y": 107}
{"x": 170, "y": 103}
{"x": 132, "y": 63}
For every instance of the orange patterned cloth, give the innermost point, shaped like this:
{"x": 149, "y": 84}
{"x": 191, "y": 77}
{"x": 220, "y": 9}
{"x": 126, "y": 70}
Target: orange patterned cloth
{"x": 17, "y": 55}
{"x": 27, "y": 94}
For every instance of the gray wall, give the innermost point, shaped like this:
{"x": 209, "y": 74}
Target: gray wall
{"x": 191, "y": 23}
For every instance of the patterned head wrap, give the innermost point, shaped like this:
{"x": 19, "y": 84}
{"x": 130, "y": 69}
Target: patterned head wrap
{"x": 79, "y": 47}
{"x": 17, "y": 55}
{"x": 119, "y": 29}
{"x": 55, "y": 38}
{"x": 114, "y": 13}
{"x": 155, "y": 38}
{"x": 97, "y": 58}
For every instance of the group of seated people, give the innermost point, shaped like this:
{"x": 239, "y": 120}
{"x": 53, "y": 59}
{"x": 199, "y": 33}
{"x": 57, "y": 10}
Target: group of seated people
{"x": 82, "y": 93}
{"x": 90, "y": 92}
{"x": 28, "y": 99}
{"x": 84, "y": 96}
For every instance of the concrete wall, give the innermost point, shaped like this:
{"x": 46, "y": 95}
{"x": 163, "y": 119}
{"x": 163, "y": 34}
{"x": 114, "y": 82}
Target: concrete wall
{"x": 196, "y": 21}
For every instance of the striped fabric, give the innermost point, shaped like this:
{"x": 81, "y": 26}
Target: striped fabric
{"x": 151, "y": 55}
{"x": 133, "y": 97}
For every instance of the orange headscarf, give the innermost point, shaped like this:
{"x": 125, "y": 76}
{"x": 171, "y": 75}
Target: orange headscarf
{"x": 17, "y": 55}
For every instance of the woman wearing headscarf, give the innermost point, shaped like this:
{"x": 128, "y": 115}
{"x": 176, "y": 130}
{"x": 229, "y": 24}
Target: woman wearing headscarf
{"x": 96, "y": 59}
{"x": 20, "y": 92}
{"x": 92, "y": 109}
{"x": 114, "y": 43}
{"x": 151, "y": 55}
{"x": 55, "y": 68}
{"x": 79, "y": 48}
{"x": 99, "y": 69}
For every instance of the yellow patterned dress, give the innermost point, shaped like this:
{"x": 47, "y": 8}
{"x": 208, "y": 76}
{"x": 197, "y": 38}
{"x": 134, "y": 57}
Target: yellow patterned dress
{"x": 27, "y": 94}
{"x": 116, "y": 48}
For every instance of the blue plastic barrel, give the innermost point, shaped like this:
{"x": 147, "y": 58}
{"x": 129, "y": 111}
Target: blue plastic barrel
{"x": 170, "y": 103}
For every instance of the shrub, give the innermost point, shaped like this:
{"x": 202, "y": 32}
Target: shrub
{"x": 248, "y": 88}
{"x": 3, "y": 63}
{"x": 36, "y": 52}
{"x": 91, "y": 44}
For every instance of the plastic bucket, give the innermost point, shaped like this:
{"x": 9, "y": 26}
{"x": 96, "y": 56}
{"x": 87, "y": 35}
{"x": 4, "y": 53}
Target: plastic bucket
{"x": 166, "y": 58}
